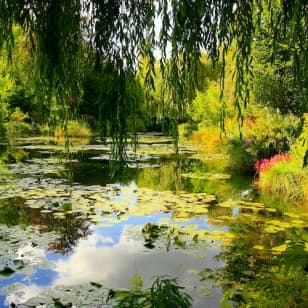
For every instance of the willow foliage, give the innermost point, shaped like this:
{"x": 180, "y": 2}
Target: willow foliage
{"x": 121, "y": 32}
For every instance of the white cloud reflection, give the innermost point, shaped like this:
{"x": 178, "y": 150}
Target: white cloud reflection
{"x": 24, "y": 293}
{"x": 95, "y": 260}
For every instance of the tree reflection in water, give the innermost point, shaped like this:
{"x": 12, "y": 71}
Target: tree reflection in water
{"x": 69, "y": 229}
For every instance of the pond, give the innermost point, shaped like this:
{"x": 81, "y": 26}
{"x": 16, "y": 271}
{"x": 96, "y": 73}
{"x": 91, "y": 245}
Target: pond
{"x": 71, "y": 230}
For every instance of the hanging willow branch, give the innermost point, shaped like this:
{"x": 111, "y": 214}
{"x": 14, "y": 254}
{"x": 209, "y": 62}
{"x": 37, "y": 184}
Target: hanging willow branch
{"x": 121, "y": 32}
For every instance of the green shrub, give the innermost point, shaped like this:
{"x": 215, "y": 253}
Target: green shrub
{"x": 206, "y": 106}
{"x": 75, "y": 128}
{"x": 16, "y": 130}
{"x": 240, "y": 160}
{"x": 15, "y": 125}
{"x": 267, "y": 133}
{"x": 286, "y": 176}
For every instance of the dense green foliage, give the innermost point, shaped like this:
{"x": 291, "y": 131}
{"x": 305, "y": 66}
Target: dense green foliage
{"x": 65, "y": 36}
{"x": 276, "y": 82}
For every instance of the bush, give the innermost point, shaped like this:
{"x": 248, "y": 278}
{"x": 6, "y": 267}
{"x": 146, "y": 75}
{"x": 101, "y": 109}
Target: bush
{"x": 44, "y": 130}
{"x": 267, "y": 133}
{"x": 15, "y": 126}
{"x": 75, "y": 128}
{"x": 266, "y": 163}
{"x": 206, "y": 107}
{"x": 286, "y": 176}
{"x": 240, "y": 160}
{"x": 209, "y": 137}
{"x": 281, "y": 178}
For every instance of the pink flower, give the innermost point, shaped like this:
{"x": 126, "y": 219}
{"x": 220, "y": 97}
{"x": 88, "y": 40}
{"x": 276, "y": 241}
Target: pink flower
{"x": 266, "y": 163}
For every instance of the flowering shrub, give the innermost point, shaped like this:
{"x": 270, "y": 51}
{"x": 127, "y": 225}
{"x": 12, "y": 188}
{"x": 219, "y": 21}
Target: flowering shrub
{"x": 280, "y": 177}
{"x": 266, "y": 163}
{"x": 265, "y": 133}
{"x": 269, "y": 133}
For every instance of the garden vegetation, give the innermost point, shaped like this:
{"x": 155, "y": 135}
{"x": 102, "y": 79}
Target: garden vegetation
{"x": 227, "y": 76}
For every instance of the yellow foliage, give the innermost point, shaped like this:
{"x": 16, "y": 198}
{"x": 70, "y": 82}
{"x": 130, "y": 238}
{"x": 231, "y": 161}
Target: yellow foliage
{"x": 18, "y": 116}
{"x": 209, "y": 137}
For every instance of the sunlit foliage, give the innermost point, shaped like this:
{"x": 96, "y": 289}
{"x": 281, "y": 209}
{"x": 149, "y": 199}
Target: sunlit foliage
{"x": 121, "y": 32}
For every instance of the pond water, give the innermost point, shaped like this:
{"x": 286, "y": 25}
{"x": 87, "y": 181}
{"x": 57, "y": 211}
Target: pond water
{"x": 70, "y": 230}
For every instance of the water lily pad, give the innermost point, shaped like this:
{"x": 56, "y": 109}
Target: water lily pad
{"x": 273, "y": 229}
{"x": 207, "y": 176}
{"x": 292, "y": 215}
{"x": 279, "y": 249}
{"x": 18, "y": 263}
{"x": 258, "y": 247}
{"x": 6, "y": 271}
{"x": 269, "y": 209}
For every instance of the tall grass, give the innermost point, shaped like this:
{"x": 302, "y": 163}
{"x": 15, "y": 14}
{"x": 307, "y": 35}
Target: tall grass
{"x": 285, "y": 181}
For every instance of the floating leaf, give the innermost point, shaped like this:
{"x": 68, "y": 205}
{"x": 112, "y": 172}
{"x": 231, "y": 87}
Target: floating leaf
{"x": 279, "y": 249}
{"x": 292, "y": 215}
{"x": 18, "y": 263}
{"x": 179, "y": 242}
{"x": 258, "y": 247}
{"x": 207, "y": 176}
{"x": 273, "y": 229}
{"x": 269, "y": 209}
{"x": 182, "y": 215}
{"x": 6, "y": 271}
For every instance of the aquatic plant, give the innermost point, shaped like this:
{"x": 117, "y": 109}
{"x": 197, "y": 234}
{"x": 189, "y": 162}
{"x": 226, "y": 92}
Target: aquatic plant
{"x": 164, "y": 293}
{"x": 267, "y": 270}
{"x": 272, "y": 282}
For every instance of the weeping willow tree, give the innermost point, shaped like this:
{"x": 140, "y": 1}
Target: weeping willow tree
{"x": 121, "y": 32}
